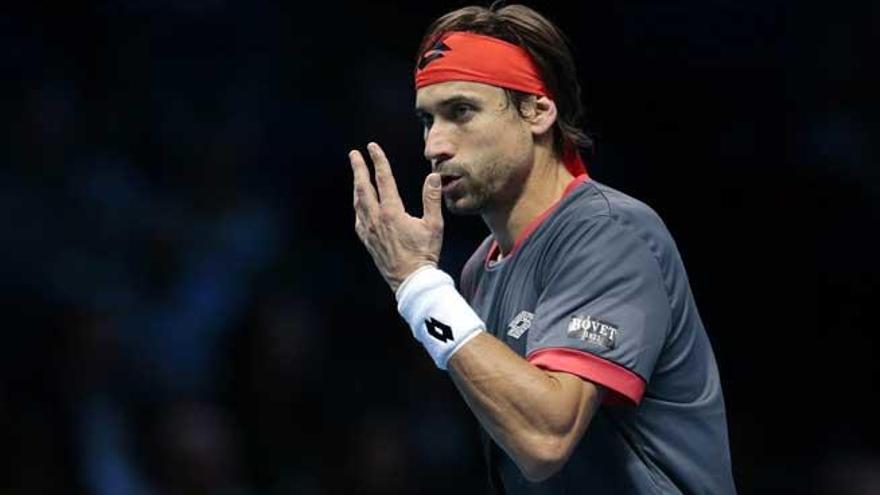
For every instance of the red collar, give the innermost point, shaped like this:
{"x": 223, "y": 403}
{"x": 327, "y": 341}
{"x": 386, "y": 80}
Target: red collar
{"x": 536, "y": 222}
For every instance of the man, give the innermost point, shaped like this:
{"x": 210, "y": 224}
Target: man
{"x": 577, "y": 343}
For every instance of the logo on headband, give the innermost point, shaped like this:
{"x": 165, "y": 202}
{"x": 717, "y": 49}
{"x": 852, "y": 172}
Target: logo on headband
{"x": 433, "y": 54}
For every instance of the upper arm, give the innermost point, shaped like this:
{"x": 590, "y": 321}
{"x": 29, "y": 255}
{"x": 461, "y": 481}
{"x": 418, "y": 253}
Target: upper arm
{"x": 574, "y": 403}
{"x": 604, "y": 313}
{"x": 581, "y": 401}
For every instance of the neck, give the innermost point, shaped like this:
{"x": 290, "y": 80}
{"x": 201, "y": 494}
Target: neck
{"x": 544, "y": 185}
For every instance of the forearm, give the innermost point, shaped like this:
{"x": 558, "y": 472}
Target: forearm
{"x": 537, "y": 417}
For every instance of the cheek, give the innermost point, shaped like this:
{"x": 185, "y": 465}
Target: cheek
{"x": 497, "y": 147}
{"x": 513, "y": 135}
{"x": 512, "y": 147}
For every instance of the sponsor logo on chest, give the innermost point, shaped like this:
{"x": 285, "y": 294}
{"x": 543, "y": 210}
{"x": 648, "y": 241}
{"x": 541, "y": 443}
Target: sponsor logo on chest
{"x": 593, "y": 330}
{"x": 520, "y": 324}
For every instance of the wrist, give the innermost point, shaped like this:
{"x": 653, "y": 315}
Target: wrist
{"x": 401, "y": 287}
{"x": 438, "y": 315}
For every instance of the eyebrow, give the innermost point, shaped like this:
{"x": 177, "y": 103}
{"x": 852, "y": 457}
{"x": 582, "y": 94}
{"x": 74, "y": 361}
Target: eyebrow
{"x": 448, "y": 102}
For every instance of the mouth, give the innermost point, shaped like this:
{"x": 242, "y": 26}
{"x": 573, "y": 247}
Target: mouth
{"x": 449, "y": 181}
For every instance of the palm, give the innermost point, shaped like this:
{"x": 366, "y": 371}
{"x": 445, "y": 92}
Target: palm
{"x": 398, "y": 242}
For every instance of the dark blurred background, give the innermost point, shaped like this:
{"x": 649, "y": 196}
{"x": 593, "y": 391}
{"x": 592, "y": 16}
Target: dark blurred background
{"x": 187, "y": 309}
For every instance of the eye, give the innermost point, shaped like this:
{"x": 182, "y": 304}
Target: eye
{"x": 461, "y": 111}
{"x": 426, "y": 120}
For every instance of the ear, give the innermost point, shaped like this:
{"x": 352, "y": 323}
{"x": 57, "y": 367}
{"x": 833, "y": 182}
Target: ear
{"x": 543, "y": 115}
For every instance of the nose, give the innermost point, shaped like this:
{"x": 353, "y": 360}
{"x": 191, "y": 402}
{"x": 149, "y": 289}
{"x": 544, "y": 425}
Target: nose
{"x": 438, "y": 146}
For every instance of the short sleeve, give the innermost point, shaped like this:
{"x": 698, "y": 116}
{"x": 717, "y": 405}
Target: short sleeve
{"x": 603, "y": 313}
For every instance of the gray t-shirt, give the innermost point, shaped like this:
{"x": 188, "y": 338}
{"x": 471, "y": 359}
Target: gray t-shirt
{"x": 596, "y": 287}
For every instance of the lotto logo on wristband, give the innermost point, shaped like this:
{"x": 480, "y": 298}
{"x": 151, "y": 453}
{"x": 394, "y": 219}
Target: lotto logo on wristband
{"x": 439, "y": 330}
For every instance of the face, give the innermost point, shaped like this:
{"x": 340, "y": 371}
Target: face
{"x": 478, "y": 143}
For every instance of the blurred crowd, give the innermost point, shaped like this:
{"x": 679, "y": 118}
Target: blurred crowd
{"x": 169, "y": 324}
{"x": 188, "y": 311}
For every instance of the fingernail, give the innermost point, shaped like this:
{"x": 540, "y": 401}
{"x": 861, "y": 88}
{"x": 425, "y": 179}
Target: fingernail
{"x": 434, "y": 180}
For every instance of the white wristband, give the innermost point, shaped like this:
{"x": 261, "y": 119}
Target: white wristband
{"x": 437, "y": 314}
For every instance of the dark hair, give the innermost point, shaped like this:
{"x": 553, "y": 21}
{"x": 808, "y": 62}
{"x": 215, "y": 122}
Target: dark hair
{"x": 549, "y": 49}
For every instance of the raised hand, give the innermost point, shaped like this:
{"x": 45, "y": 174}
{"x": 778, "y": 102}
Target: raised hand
{"x": 398, "y": 242}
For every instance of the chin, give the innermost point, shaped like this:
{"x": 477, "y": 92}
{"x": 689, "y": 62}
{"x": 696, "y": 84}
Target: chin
{"x": 463, "y": 206}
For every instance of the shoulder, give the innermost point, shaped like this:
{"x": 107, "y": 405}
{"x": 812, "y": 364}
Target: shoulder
{"x": 593, "y": 199}
{"x": 597, "y": 207}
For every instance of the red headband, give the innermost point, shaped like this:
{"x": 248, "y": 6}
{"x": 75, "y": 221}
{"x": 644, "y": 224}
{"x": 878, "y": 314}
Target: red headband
{"x": 462, "y": 56}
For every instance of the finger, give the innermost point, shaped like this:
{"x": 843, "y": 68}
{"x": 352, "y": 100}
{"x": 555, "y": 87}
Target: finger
{"x": 364, "y": 195}
{"x": 385, "y": 182}
{"x": 432, "y": 195}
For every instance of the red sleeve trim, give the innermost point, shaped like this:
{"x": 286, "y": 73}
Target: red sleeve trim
{"x": 625, "y": 386}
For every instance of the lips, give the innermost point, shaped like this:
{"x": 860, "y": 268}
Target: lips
{"x": 449, "y": 181}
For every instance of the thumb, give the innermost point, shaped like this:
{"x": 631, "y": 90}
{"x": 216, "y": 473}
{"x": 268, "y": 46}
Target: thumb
{"x": 431, "y": 196}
